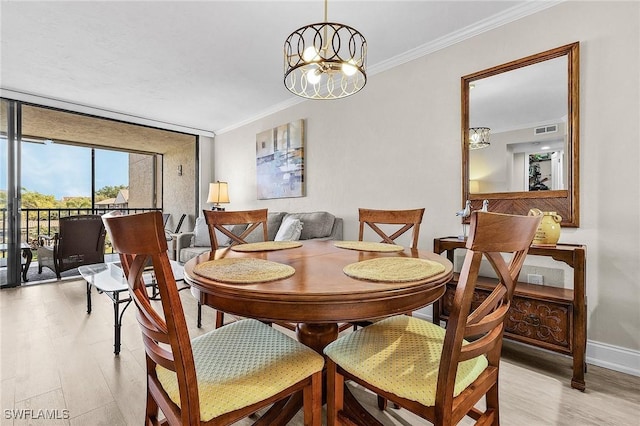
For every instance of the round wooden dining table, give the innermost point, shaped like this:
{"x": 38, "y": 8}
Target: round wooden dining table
{"x": 319, "y": 295}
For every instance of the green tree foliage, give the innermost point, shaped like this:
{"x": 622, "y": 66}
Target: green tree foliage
{"x": 108, "y": 192}
{"x": 77, "y": 203}
{"x": 36, "y": 200}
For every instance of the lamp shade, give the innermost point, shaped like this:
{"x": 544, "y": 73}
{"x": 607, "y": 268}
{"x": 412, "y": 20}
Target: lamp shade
{"x": 218, "y": 192}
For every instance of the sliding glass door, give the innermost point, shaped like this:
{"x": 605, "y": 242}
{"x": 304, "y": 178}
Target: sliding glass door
{"x": 10, "y": 265}
{"x": 56, "y": 163}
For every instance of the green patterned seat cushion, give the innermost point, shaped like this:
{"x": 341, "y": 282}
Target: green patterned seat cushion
{"x": 401, "y": 355}
{"x": 243, "y": 363}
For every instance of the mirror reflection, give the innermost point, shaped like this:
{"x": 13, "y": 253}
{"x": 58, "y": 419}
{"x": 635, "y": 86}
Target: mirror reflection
{"x": 520, "y": 135}
{"x": 518, "y": 129}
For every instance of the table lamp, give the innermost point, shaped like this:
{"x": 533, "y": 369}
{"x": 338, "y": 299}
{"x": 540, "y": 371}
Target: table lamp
{"x": 218, "y": 193}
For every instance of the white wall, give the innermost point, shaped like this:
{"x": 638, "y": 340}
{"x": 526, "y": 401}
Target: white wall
{"x": 396, "y": 145}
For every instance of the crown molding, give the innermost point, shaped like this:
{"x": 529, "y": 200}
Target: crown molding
{"x": 510, "y": 15}
{"x": 503, "y": 18}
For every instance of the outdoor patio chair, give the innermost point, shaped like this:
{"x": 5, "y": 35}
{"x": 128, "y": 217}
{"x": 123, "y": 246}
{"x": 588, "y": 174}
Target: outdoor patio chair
{"x": 79, "y": 241}
{"x": 168, "y": 232}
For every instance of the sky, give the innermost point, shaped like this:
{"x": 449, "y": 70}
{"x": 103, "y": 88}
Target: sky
{"x": 65, "y": 170}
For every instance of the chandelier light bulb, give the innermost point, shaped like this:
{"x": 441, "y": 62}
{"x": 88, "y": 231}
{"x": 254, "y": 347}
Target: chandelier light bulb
{"x": 314, "y": 75}
{"x": 310, "y": 54}
{"x": 349, "y": 68}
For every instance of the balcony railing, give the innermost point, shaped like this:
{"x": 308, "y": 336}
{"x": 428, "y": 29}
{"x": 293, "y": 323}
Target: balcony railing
{"x": 37, "y": 222}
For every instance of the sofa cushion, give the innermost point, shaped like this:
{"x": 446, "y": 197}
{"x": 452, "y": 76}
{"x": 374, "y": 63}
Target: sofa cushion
{"x": 314, "y": 225}
{"x": 273, "y": 224}
{"x": 274, "y": 220}
{"x": 189, "y": 253}
{"x": 201, "y": 234}
{"x": 290, "y": 230}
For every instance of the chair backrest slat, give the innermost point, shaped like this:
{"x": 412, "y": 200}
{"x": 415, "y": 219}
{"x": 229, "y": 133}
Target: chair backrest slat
{"x": 410, "y": 219}
{"x": 217, "y": 220}
{"x": 481, "y": 346}
{"x": 493, "y": 300}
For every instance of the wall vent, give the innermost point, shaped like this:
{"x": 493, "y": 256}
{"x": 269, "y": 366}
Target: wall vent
{"x": 551, "y": 128}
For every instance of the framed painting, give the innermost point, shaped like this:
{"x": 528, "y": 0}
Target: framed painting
{"x": 280, "y": 161}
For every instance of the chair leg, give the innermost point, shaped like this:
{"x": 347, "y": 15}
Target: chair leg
{"x": 312, "y": 401}
{"x": 219, "y": 319}
{"x": 493, "y": 404}
{"x": 199, "y": 315}
{"x": 335, "y": 393}
{"x": 382, "y": 403}
{"x": 152, "y": 411}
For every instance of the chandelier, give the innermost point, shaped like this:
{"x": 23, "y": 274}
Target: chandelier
{"x": 479, "y": 137}
{"x": 325, "y": 60}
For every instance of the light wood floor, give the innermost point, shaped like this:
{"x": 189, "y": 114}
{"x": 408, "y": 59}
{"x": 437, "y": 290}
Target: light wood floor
{"x": 56, "y": 357}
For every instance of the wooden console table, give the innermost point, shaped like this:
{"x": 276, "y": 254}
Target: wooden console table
{"x": 543, "y": 316}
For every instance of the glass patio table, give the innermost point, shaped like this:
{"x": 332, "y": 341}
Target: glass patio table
{"x": 108, "y": 278}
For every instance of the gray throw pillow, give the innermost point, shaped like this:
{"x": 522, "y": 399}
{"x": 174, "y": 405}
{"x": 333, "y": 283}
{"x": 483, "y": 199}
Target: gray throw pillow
{"x": 201, "y": 234}
{"x": 274, "y": 220}
{"x": 316, "y": 224}
{"x": 290, "y": 230}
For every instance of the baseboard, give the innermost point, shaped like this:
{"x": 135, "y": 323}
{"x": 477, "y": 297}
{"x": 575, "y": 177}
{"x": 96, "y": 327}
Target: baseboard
{"x": 613, "y": 357}
{"x": 601, "y": 354}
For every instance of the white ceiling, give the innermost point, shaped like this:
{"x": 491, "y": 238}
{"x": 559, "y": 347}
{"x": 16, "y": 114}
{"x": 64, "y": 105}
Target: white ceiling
{"x": 208, "y": 65}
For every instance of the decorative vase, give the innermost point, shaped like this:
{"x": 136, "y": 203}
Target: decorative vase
{"x": 548, "y": 232}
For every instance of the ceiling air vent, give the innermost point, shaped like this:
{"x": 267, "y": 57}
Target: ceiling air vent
{"x": 551, "y": 128}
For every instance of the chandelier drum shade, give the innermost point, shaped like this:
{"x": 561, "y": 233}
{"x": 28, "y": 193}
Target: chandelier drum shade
{"x": 325, "y": 61}
{"x": 479, "y": 137}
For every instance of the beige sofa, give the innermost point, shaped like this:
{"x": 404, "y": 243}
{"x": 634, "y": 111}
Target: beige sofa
{"x": 315, "y": 225}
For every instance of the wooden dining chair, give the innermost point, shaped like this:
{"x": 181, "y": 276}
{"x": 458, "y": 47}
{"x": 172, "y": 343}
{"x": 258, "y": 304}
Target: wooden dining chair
{"x": 431, "y": 371}
{"x": 406, "y": 219}
{"x": 400, "y": 220}
{"x": 224, "y": 222}
{"x": 217, "y": 378}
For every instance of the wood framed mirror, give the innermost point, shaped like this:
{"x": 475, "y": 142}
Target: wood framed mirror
{"x": 520, "y": 128}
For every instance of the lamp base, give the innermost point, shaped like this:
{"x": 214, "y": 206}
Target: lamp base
{"x": 217, "y": 208}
